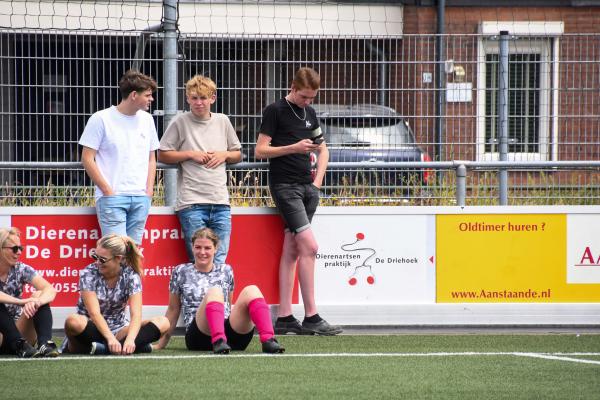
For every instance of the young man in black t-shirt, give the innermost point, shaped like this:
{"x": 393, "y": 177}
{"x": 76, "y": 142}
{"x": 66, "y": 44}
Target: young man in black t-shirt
{"x": 288, "y": 134}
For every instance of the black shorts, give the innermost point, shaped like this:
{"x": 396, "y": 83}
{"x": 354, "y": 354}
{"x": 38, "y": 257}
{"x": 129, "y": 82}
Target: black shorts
{"x": 296, "y": 203}
{"x": 5, "y": 347}
{"x": 198, "y": 341}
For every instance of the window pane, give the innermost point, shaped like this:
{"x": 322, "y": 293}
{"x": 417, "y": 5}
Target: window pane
{"x": 523, "y": 103}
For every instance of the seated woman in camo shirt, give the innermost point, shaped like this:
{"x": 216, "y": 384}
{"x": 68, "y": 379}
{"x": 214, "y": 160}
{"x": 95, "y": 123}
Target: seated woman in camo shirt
{"x": 204, "y": 291}
{"x": 106, "y": 287}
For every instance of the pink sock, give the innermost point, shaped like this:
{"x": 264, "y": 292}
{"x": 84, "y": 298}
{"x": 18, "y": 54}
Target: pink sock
{"x": 260, "y": 315}
{"x": 215, "y": 317}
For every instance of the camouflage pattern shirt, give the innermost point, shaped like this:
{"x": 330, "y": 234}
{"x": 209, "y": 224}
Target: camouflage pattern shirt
{"x": 113, "y": 301}
{"x": 191, "y": 285}
{"x": 18, "y": 275}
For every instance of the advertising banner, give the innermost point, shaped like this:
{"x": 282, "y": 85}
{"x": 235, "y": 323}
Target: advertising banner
{"x": 58, "y": 247}
{"x": 583, "y": 249}
{"x": 366, "y": 256}
{"x": 375, "y": 259}
{"x": 511, "y": 258}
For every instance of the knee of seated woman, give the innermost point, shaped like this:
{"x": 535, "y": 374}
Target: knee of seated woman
{"x": 251, "y": 291}
{"x": 215, "y": 293}
{"x": 75, "y": 324}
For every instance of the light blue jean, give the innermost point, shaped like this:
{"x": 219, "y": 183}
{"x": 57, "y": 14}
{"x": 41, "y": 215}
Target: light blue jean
{"x": 214, "y": 216}
{"x": 123, "y": 215}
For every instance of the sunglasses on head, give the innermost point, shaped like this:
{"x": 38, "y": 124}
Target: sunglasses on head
{"x": 15, "y": 249}
{"x": 98, "y": 258}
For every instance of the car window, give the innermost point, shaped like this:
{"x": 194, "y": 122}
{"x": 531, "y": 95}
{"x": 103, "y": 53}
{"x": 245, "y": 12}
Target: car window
{"x": 368, "y": 130}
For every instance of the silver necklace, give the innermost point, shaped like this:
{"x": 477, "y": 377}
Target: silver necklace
{"x": 292, "y": 108}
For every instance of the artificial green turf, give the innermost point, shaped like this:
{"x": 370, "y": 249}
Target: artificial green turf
{"x": 335, "y": 377}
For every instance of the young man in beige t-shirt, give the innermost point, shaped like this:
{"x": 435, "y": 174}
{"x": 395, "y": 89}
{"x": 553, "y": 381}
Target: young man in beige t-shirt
{"x": 201, "y": 142}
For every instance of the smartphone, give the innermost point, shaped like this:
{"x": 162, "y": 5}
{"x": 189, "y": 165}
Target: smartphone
{"x": 317, "y": 136}
{"x": 318, "y": 139}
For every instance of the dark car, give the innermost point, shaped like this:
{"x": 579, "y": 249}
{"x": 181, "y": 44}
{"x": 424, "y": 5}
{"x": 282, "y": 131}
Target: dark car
{"x": 370, "y": 132}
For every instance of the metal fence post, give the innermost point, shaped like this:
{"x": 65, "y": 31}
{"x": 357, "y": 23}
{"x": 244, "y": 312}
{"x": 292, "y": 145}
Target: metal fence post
{"x": 440, "y": 81}
{"x": 461, "y": 185}
{"x": 503, "y": 87}
{"x": 170, "y": 87}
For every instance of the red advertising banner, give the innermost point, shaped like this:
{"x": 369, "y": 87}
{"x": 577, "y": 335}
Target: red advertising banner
{"x": 58, "y": 247}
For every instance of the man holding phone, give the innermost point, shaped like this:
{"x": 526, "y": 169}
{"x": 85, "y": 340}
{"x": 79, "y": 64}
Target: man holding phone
{"x": 288, "y": 134}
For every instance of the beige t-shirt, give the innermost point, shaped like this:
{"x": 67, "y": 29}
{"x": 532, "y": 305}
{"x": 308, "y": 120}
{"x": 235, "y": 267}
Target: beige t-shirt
{"x": 197, "y": 184}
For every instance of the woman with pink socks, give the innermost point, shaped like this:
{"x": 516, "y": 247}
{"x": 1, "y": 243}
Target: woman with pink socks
{"x": 203, "y": 291}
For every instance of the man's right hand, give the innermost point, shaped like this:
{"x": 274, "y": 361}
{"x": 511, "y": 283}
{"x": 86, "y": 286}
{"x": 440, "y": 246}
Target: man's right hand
{"x": 305, "y": 146}
{"x": 200, "y": 157}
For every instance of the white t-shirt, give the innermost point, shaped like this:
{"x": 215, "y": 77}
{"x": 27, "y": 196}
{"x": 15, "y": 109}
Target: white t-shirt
{"x": 123, "y": 144}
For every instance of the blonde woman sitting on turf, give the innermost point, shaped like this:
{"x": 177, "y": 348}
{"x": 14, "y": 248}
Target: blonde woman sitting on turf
{"x": 106, "y": 287}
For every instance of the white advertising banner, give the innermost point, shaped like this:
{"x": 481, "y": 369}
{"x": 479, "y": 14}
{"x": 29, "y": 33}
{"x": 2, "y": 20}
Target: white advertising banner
{"x": 5, "y": 221}
{"x": 375, "y": 259}
{"x": 583, "y": 248}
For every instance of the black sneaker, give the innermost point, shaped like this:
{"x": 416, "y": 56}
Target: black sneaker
{"x": 285, "y": 327}
{"x": 24, "y": 349}
{"x": 272, "y": 346}
{"x": 47, "y": 349}
{"x": 221, "y": 347}
{"x": 147, "y": 348}
{"x": 320, "y": 328}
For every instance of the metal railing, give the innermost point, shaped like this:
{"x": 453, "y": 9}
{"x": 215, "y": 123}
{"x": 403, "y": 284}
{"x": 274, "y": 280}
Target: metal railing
{"x": 460, "y": 169}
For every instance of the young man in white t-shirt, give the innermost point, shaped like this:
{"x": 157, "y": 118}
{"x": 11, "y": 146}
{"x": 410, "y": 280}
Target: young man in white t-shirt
{"x": 202, "y": 142}
{"x": 119, "y": 145}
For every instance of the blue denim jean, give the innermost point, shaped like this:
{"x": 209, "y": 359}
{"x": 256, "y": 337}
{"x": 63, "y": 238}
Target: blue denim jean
{"x": 123, "y": 215}
{"x": 214, "y": 216}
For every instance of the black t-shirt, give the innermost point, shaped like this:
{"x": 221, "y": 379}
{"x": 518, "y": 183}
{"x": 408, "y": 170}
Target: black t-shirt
{"x": 286, "y": 128}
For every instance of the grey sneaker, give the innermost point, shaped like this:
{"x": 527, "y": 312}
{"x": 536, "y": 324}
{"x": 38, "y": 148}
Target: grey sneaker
{"x": 272, "y": 346}
{"x": 320, "y": 328}
{"x": 285, "y": 327}
{"x": 221, "y": 347}
{"x": 47, "y": 349}
{"x": 99, "y": 348}
{"x": 24, "y": 349}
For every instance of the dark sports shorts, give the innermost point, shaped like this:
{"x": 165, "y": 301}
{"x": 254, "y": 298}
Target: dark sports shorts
{"x": 198, "y": 341}
{"x": 5, "y": 347}
{"x": 296, "y": 203}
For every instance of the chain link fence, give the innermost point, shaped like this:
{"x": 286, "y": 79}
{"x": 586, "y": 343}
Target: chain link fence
{"x": 389, "y": 95}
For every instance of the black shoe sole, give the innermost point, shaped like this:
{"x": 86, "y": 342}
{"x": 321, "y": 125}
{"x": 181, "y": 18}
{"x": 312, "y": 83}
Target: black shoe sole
{"x": 285, "y": 331}
{"x": 322, "y": 333}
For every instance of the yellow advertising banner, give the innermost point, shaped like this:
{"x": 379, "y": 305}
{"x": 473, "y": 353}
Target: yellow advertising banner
{"x": 505, "y": 258}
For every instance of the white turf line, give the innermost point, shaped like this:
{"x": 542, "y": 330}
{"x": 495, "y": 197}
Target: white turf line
{"x": 559, "y": 358}
{"x": 546, "y": 356}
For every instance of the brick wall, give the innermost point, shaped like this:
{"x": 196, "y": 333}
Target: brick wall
{"x": 579, "y": 76}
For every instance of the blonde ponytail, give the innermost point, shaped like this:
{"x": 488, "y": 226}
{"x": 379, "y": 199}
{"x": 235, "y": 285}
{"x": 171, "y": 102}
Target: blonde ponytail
{"x": 123, "y": 246}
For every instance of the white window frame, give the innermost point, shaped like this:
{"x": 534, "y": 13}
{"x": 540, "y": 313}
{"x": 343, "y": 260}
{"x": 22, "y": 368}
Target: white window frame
{"x": 548, "y": 48}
